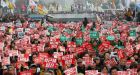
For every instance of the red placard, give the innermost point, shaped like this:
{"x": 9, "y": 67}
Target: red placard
{"x": 40, "y": 47}
{"x": 91, "y": 72}
{"x": 26, "y": 73}
{"x": 106, "y": 44}
{"x": 50, "y": 65}
{"x": 37, "y": 60}
{"x": 132, "y": 71}
{"x": 128, "y": 62}
{"x": 121, "y": 54}
{"x": 80, "y": 49}
{"x": 6, "y": 61}
{"x": 71, "y": 71}
{"x": 89, "y": 47}
{"x": 71, "y": 46}
{"x": 13, "y": 52}
{"x": 34, "y": 48}
{"x": 23, "y": 57}
{"x": 85, "y": 44}
{"x": 79, "y": 34}
{"x": 43, "y": 56}
{"x": 129, "y": 49}
{"x": 67, "y": 60}
{"x": 111, "y": 62}
{"x": 67, "y": 57}
{"x": 57, "y": 54}
{"x": 62, "y": 48}
{"x": 1, "y": 48}
{"x": 54, "y": 42}
{"x": 122, "y": 73}
{"x": 53, "y": 60}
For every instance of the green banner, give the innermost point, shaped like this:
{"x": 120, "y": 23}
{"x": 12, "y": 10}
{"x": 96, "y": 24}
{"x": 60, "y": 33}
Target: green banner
{"x": 110, "y": 38}
{"x": 79, "y": 41}
{"x": 63, "y": 38}
{"x": 94, "y": 34}
{"x": 132, "y": 33}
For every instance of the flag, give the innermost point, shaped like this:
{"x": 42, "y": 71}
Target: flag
{"x": 11, "y": 4}
{"x": 32, "y": 3}
{"x": 113, "y": 4}
{"x": 42, "y": 10}
{"x": 98, "y": 18}
{"x": 127, "y": 3}
{"x": 3, "y": 4}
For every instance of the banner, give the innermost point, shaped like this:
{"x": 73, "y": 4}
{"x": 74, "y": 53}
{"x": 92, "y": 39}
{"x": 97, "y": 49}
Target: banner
{"x": 94, "y": 34}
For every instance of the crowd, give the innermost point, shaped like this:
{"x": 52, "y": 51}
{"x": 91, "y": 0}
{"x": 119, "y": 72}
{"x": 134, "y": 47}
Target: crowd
{"x": 76, "y": 48}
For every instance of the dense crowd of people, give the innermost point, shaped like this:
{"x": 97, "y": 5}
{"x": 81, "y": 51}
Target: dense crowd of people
{"x": 76, "y": 48}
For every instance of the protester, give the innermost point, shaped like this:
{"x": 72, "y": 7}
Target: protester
{"x": 77, "y": 48}
{"x": 129, "y": 15}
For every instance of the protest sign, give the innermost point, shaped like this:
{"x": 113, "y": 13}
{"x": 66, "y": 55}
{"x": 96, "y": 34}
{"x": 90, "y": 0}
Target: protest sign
{"x": 110, "y": 38}
{"x": 91, "y": 72}
{"x": 6, "y": 61}
{"x": 3, "y": 28}
{"x": 71, "y": 46}
{"x": 13, "y": 52}
{"x": 1, "y": 48}
{"x": 43, "y": 55}
{"x": 122, "y": 73}
{"x": 120, "y": 54}
{"x": 63, "y": 38}
{"x": 79, "y": 41}
{"x": 57, "y": 54}
{"x": 71, "y": 71}
{"x": 50, "y": 65}
{"x": 94, "y": 34}
{"x": 26, "y": 73}
{"x": 18, "y": 24}
{"x": 132, "y": 33}
{"x": 32, "y": 25}
{"x": 21, "y": 34}
{"x": 67, "y": 60}
{"x": 23, "y": 57}
{"x": 37, "y": 60}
